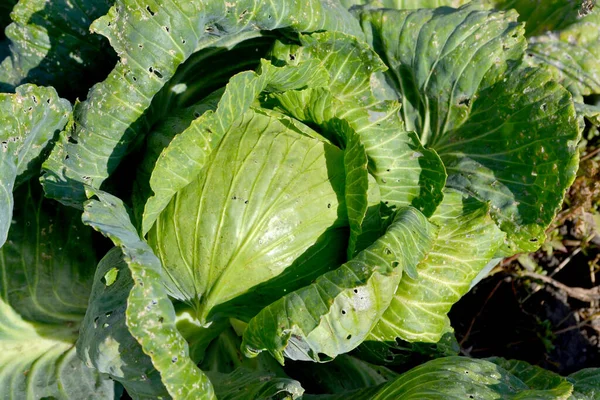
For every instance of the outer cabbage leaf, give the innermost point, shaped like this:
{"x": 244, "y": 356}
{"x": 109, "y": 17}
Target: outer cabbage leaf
{"x": 586, "y": 384}
{"x": 152, "y": 39}
{"x": 467, "y": 240}
{"x": 40, "y": 361}
{"x": 505, "y": 132}
{"x": 581, "y": 385}
{"x": 233, "y": 219}
{"x": 46, "y": 270}
{"x": 542, "y": 16}
{"x": 572, "y": 53}
{"x": 105, "y": 342}
{"x": 547, "y": 382}
{"x": 243, "y": 384}
{"x": 563, "y": 36}
{"x": 344, "y": 373}
{"x": 30, "y": 120}
{"x": 590, "y": 112}
{"x": 406, "y": 354}
{"x": 150, "y": 315}
{"x": 457, "y": 378}
{"x": 335, "y": 313}
{"x": 50, "y": 44}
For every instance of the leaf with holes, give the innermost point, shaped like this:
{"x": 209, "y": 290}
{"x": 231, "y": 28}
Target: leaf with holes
{"x": 506, "y": 132}
{"x": 47, "y": 266}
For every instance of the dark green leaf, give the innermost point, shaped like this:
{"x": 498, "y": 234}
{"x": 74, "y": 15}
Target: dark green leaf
{"x": 50, "y": 44}
{"x": 105, "y": 342}
{"x": 46, "y": 266}
{"x": 506, "y": 133}
{"x": 150, "y": 315}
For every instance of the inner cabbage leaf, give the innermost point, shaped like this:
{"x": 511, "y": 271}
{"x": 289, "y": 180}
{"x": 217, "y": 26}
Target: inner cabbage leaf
{"x": 270, "y": 198}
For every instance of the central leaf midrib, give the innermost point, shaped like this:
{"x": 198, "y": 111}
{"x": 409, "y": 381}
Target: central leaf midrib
{"x": 212, "y": 282}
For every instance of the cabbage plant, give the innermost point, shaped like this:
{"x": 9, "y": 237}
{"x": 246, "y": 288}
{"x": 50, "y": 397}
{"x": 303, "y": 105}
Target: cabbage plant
{"x": 294, "y": 193}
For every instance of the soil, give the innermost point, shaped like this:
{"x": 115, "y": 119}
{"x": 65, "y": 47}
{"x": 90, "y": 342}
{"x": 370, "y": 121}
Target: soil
{"x": 519, "y": 317}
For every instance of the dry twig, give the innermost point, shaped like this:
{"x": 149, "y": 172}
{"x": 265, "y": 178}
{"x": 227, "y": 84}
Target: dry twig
{"x": 583, "y": 294}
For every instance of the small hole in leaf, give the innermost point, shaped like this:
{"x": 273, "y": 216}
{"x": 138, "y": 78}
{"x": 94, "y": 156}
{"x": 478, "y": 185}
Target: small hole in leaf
{"x": 544, "y": 107}
{"x": 72, "y": 140}
{"x": 150, "y": 11}
{"x": 355, "y": 290}
{"x": 343, "y": 312}
{"x": 108, "y": 314}
{"x": 174, "y": 359}
{"x": 134, "y": 78}
{"x": 292, "y": 57}
{"x": 348, "y": 337}
{"x": 161, "y": 320}
{"x": 328, "y": 205}
{"x": 465, "y": 101}
{"x": 167, "y": 29}
{"x": 110, "y": 277}
{"x": 141, "y": 46}
{"x": 155, "y": 72}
